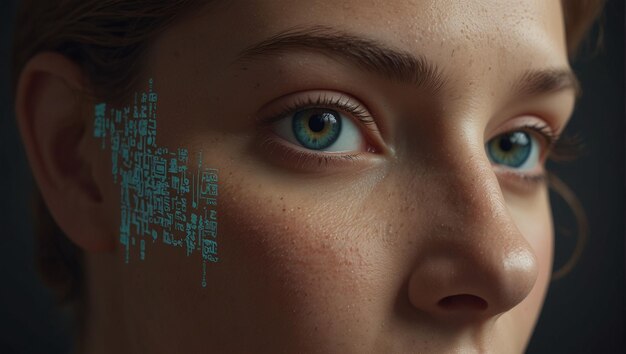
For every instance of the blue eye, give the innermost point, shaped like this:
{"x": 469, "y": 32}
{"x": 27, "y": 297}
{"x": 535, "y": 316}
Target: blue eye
{"x": 316, "y": 129}
{"x": 321, "y": 129}
{"x": 517, "y": 150}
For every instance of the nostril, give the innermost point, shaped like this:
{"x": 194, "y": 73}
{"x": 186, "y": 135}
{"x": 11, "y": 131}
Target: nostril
{"x": 463, "y": 302}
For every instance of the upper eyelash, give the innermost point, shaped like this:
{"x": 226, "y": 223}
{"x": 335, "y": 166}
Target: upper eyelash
{"x": 545, "y": 132}
{"x": 360, "y": 113}
{"x": 552, "y": 139}
{"x": 557, "y": 149}
{"x": 356, "y": 110}
{"x": 560, "y": 148}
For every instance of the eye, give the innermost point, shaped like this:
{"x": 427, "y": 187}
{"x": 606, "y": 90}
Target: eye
{"x": 517, "y": 150}
{"x": 322, "y": 129}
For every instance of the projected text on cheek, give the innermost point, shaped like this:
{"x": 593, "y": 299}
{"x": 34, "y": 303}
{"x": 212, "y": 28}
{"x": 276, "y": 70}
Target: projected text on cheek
{"x": 166, "y": 195}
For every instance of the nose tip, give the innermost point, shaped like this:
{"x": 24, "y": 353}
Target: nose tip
{"x": 473, "y": 262}
{"x": 470, "y": 284}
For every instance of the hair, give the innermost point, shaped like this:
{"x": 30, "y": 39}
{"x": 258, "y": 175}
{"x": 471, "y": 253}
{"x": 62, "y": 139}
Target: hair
{"x": 108, "y": 39}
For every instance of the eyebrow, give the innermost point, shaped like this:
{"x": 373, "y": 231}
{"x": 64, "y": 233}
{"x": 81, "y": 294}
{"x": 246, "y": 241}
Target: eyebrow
{"x": 393, "y": 64}
{"x": 534, "y": 82}
{"x": 368, "y": 54}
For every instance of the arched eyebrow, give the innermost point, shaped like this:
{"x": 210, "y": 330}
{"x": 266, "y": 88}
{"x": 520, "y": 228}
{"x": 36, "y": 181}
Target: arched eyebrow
{"x": 393, "y": 64}
{"x": 368, "y": 54}
{"x": 536, "y": 82}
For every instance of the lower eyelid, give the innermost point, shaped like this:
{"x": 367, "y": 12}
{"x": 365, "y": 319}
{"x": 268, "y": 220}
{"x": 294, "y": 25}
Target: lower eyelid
{"x": 519, "y": 181}
{"x": 312, "y": 162}
{"x": 300, "y": 159}
{"x": 354, "y": 111}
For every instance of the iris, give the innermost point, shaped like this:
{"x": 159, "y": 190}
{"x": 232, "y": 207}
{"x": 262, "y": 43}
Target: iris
{"x": 511, "y": 149}
{"x": 316, "y": 128}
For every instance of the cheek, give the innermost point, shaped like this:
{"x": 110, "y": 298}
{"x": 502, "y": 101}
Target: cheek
{"x": 535, "y": 223}
{"x": 534, "y": 220}
{"x": 299, "y": 256}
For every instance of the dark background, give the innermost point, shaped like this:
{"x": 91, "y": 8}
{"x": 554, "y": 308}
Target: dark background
{"x": 584, "y": 311}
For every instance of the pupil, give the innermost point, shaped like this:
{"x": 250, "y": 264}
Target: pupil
{"x": 316, "y": 122}
{"x": 506, "y": 144}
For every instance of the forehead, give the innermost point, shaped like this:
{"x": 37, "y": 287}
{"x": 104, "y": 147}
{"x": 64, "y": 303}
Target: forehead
{"x": 502, "y": 27}
{"x": 465, "y": 38}
{"x": 482, "y": 47}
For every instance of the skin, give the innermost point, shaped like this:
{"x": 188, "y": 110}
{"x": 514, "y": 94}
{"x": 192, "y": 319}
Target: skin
{"x": 343, "y": 258}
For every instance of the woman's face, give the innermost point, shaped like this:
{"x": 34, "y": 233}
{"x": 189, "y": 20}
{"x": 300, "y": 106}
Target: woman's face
{"x": 436, "y": 237}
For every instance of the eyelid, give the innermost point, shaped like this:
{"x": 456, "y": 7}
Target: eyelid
{"x": 544, "y": 135}
{"x": 524, "y": 121}
{"x": 342, "y": 102}
{"x": 312, "y": 162}
{"x": 519, "y": 181}
{"x": 533, "y": 125}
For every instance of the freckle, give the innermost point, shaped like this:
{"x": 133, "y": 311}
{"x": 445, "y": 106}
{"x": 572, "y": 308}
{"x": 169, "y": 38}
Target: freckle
{"x": 283, "y": 209}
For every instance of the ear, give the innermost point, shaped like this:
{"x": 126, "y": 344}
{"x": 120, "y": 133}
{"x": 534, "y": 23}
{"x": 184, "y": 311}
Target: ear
{"x": 54, "y": 118}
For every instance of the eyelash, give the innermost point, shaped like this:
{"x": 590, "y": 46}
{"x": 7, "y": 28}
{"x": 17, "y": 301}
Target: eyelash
{"x": 556, "y": 148}
{"x": 322, "y": 100}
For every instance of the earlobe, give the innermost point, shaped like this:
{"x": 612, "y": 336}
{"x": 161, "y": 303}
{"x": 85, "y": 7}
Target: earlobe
{"x": 53, "y": 118}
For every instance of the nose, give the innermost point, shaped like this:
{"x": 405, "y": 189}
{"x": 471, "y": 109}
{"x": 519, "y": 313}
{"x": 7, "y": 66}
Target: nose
{"x": 473, "y": 262}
